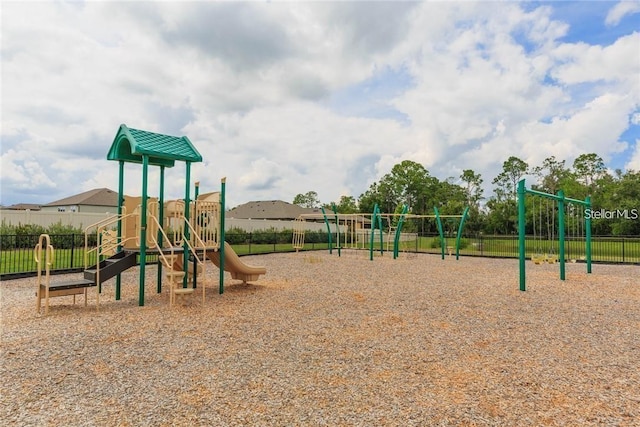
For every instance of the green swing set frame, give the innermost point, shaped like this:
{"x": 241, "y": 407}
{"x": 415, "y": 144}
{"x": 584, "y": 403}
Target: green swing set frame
{"x": 561, "y": 200}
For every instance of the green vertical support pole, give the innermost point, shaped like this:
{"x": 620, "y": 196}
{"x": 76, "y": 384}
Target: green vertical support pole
{"x": 396, "y": 240}
{"x": 143, "y": 228}
{"x": 440, "y": 231}
{"x": 161, "y": 220}
{"x": 185, "y": 245}
{"x": 223, "y": 183}
{"x": 196, "y": 193}
{"x": 460, "y": 227}
{"x": 587, "y": 227}
{"x": 374, "y": 216}
{"x": 120, "y": 202}
{"x": 381, "y": 236}
{"x": 335, "y": 213}
{"x": 521, "y": 234}
{"x": 326, "y": 222}
{"x": 561, "y": 234}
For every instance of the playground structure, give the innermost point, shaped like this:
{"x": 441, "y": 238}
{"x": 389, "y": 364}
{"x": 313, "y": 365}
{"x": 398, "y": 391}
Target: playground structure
{"x": 141, "y": 226}
{"x": 356, "y": 235}
{"x": 578, "y": 226}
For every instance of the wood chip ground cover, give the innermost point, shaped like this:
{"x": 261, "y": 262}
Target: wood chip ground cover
{"x": 328, "y": 340}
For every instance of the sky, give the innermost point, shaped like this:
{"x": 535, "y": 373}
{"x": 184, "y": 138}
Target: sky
{"x": 283, "y": 98}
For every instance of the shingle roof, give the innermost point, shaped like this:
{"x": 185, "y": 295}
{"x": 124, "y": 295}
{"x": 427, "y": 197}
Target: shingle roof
{"x": 269, "y": 209}
{"x": 130, "y": 145}
{"x": 23, "y": 207}
{"x": 95, "y": 197}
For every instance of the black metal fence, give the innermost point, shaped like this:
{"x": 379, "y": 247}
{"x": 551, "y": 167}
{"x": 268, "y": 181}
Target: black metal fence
{"x": 17, "y": 251}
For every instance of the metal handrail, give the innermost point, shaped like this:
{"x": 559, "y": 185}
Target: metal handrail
{"x": 44, "y": 241}
{"x": 171, "y": 248}
{"x": 99, "y": 245}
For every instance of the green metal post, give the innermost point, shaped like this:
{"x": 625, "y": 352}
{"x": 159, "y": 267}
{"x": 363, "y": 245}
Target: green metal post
{"x": 120, "y": 202}
{"x": 161, "y": 220}
{"x": 335, "y": 213}
{"x": 440, "y": 231}
{"x": 223, "y": 183}
{"x": 326, "y": 222}
{"x": 587, "y": 227}
{"x": 143, "y": 229}
{"x": 187, "y": 217}
{"x": 374, "y": 216}
{"x": 381, "y": 236}
{"x": 561, "y": 231}
{"x": 396, "y": 240}
{"x": 196, "y": 193}
{"x": 521, "y": 234}
{"x": 460, "y": 227}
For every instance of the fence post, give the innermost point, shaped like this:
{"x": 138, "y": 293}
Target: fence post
{"x": 623, "y": 249}
{"x": 73, "y": 244}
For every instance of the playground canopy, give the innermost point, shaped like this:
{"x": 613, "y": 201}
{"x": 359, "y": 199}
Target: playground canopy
{"x": 130, "y": 145}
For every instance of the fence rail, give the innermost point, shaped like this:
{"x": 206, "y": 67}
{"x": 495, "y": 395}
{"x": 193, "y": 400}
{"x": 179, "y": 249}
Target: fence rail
{"x": 17, "y": 260}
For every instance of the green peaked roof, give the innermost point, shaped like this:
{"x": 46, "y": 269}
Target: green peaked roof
{"x": 130, "y": 145}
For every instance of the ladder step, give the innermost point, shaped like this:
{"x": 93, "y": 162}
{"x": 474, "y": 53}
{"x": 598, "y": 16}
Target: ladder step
{"x": 183, "y": 291}
{"x": 175, "y": 273}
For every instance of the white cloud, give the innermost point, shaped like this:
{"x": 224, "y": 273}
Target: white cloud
{"x": 582, "y": 63}
{"x": 620, "y": 10}
{"x": 634, "y": 161}
{"x": 255, "y": 91}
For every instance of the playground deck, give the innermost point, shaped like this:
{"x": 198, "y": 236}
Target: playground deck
{"x": 322, "y": 340}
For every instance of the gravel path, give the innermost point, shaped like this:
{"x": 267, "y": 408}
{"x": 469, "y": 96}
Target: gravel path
{"x": 323, "y": 340}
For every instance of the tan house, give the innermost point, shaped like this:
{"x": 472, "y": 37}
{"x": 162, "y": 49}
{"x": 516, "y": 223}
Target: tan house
{"x": 99, "y": 200}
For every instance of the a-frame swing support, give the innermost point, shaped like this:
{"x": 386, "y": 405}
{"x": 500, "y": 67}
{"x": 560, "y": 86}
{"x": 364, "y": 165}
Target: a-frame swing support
{"x": 561, "y": 199}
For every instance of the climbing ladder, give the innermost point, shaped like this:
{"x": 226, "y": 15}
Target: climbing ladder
{"x": 298, "y": 233}
{"x": 44, "y": 257}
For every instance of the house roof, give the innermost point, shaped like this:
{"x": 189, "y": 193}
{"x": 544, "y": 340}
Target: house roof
{"x": 130, "y": 145}
{"x": 269, "y": 209}
{"x": 23, "y": 207}
{"x": 95, "y": 197}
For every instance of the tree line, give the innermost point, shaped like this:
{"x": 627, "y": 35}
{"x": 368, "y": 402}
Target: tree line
{"x": 616, "y": 194}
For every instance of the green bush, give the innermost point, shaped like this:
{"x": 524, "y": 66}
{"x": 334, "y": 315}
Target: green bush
{"x": 236, "y": 236}
{"x": 7, "y": 236}
{"x": 65, "y": 236}
{"x": 435, "y": 243}
{"x": 285, "y": 236}
{"x": 27, "y": 235}
{"x": 464, "y": 243}
{"x": 264, "y": 236}
{"x": 316, "y": 237}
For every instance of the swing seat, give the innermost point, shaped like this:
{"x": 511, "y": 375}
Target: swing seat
{"x": 552, "y": 259}
{"x": 538, "y": 258}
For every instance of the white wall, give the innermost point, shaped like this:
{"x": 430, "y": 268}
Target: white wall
{"x": 45, "y": 219}
{"x": 82, "y": 220}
